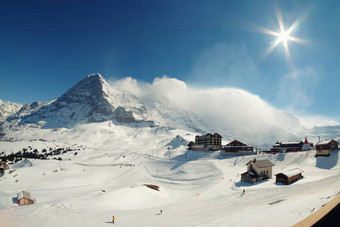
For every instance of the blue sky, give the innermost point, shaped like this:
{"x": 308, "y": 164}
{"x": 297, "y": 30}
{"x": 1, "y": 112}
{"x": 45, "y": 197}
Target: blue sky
{"x": 48, "y": 46}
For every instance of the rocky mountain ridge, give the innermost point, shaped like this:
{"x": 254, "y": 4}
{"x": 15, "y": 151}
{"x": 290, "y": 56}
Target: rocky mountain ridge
{"x": 90, "y": 100}
{"x": 7, "y": 109}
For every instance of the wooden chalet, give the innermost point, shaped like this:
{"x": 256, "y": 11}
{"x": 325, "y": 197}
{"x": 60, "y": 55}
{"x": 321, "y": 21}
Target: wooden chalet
{"x": 289, "y": 176}
{"x": 206, "y": 142}
{"x": 24, "y": 198}
{"x": 236, "y": 146}
{"x": 287, "y": 146}
{"x": 190, "y": 145}
{"x": 324, "y": 148}
{"x": 257, "y": 170}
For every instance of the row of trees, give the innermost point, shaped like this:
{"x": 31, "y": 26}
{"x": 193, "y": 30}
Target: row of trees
{"x": 35, "y": 154}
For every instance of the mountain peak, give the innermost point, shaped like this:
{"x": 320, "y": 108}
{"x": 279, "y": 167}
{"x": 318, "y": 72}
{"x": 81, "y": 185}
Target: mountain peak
{"x": 7, "y": 109}
{"x": 90, "y": 100}
{"x": 95, "y": 76}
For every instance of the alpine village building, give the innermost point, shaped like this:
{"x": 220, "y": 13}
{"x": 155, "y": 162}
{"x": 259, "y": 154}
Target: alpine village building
{"x": 257, "y": 170}
{"x": 236, "y": 146}
{"x": 324, "y": 148}
{"x": 291, "y": 146}
{"x": 208, "y": 142}
{"x": 24, "y": 198}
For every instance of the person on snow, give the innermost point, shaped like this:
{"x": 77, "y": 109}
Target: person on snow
{"x": 113, "y": 219}
{"x": 161, "y": 212}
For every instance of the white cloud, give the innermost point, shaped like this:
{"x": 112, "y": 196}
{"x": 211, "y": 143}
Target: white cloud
{"x": 233, "y": 111}
{"x": 229, "y": 111}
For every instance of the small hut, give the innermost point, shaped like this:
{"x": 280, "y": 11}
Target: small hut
{"x": 24, "y": 198}
{"x": 289, "y": 176}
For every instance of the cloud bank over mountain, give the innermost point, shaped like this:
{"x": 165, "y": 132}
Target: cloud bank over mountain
{"x": 169, "y": 102}
{"x": 230, "y": 111}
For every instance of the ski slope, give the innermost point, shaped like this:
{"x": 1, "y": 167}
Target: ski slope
{"x": 114, "y": 162}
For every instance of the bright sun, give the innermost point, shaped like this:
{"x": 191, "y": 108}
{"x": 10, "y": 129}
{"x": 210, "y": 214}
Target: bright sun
{"x": 282, "y": 36}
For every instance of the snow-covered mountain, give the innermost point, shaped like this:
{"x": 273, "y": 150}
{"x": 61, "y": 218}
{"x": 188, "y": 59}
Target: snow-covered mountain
{"x": 7, "y": 109}
{"x": 326, "y": 132}
{"x": 90, "y": 100}
{"x": 167, "y": 102}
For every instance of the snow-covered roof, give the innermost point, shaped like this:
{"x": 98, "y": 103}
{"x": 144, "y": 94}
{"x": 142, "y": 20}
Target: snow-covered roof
{"x": 290, "y": 143}
{"x": 23, "y": 194}
{"x": 292, "y": 172}
{"x": 324, "y": 142}
{"x": 236, "y": 141}
{"x": 262, "y": 163}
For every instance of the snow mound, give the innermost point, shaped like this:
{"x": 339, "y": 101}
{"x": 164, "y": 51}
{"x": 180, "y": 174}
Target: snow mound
{"x": 177, "y": 142}
{"x": 22, "y": 164}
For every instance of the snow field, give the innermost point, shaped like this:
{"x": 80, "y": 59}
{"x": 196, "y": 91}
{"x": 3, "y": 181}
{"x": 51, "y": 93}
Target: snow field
{"x": 107, "y": 178}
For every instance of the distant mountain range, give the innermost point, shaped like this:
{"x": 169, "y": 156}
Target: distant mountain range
{"x": 93, "y": 99}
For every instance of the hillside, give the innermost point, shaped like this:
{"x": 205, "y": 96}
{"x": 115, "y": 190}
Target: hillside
{"x": 107, "y": 178}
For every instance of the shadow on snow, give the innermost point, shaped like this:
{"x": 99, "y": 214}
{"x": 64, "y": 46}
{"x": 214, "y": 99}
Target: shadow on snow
{"x": 246, "y": 184}
{"x": 328, "y": 162}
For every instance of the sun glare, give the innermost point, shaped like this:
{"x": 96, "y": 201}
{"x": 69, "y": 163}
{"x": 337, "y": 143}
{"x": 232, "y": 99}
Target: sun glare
{"x": 283, "y": 36}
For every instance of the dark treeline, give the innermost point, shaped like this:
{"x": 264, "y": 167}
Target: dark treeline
{"x": 30, "y": 153}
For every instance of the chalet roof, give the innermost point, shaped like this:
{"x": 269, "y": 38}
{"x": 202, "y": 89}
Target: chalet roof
{"x": 292, "y": 172}
{"x": 324, "y": 142}
{"x": 229, "y": 144}
{"x": 250, "y": 174}
{"x": 23, "y": 194}
{"x": 213, "y": 134}
{"x": 291, "y": 143}
{"x": 261, "y": 163}
{"x": 216, "y": 134}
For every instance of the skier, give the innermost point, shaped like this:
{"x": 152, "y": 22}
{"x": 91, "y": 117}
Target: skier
{"x": 244, "y": 191}
{"x": 113, "y": 219}
{"x": 161, "y": 212}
